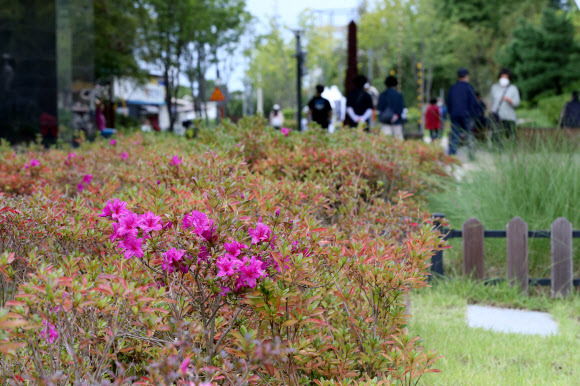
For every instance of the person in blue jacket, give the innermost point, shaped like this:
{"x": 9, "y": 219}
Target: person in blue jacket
{"x": 390, "y": 109}
{"x": 463, "y": 107}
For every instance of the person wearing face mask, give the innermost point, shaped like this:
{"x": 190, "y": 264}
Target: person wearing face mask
{"x": 505, "y": 97}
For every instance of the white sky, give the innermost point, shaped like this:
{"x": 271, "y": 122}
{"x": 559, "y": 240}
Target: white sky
{"x": 288, "y": 11}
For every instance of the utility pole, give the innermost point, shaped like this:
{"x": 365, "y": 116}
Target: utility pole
{"x": 299, "y": 62}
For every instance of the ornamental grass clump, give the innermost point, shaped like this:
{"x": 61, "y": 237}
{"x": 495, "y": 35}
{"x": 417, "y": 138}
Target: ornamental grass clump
{"x": 210, "y": 270}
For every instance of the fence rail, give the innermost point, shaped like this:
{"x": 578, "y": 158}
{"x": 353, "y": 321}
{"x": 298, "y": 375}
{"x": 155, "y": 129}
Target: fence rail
{"x": 517, "y": 236}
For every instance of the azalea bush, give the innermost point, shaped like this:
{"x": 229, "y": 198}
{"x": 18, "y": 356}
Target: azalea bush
{"x": 221, "y": 261}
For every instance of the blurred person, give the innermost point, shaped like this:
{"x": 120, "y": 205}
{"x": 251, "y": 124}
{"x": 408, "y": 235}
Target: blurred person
{"x": 480, "y": 124}
{"x": 462, "y": 106}
{"x": 374, "y": 93}
{"x": 100, "y": 120}
{"x": 570, "y": 117}
{"x": 433, "y": 120}
{"x": 319, "y": 109}
{"x": 442, "y": 111}
{"x": 276, "y": 117}
{"x": 390, "y": 109}
{"x": 505, "y": 97}
{"x": 359, "y": 104}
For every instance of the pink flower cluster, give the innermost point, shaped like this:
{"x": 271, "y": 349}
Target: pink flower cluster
{"x": 49, "y": 332}
{"x": 124, "y": 155}
{"x": 86, "y": 181}
{"x": 285, "y": 131}
{"x": 32, "y": 164}
{"x": 260, "y": 233}
{"x": 126, "y": 230}
{"x": 202, "y": 226}
{"x": 175, "y": 161}
{"x": 69, "y": 157}
{"x": 247, "y": 270}
{"x": 173, "y": 260}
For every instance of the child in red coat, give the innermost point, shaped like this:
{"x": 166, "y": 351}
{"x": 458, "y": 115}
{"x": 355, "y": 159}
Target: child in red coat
{"x": 433, "y": 119}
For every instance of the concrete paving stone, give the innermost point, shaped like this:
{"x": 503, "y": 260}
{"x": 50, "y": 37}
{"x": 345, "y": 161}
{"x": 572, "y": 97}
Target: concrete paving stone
{"x": 511, "y": 321}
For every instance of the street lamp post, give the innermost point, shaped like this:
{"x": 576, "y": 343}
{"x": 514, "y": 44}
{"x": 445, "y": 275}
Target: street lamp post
{"x": 299, "y": 62}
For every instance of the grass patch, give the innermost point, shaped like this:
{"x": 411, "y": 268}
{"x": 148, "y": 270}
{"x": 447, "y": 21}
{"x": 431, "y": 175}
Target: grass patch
{"x": 538, "y": 184}
{"x": 535, "y": 118}
{"x": 481, "y": 357}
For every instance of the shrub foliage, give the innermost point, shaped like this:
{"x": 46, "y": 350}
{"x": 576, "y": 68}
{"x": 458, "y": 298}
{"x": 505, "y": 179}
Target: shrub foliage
{"x": 243, "y": 257}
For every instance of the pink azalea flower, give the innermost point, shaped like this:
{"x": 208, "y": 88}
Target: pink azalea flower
{"x": 183, "y": 268}
{"x": 49, "y": 332}
{"x": 34, "y": 163}
{"x": 234, "y": 248}
{"x": 277, "y": 212}
{"x": 167, "y": 225}
{"x": 285, "y": 131}
{"x": 261, "y": 233}
{"x": 228, "y": 265}
{"x": 167, "y": 266}
{"x": 132, "y": 246}
{"x": 117, "y": 235}
{"x": 115, "y": 209}
{"x": 87, "y": 178}
{"x": 174, "y": 254}
{"x": 158, "y": 182}
{"x": 124, "y": 155}
{"x": 113, "y": 142}
{"x": 150, "y": 222}
{"x": 80, "y": 187}
{"x": 175, "y": 160}
{"x": 203, "y": 254}
{"x": 250, "y": 271}
{"x": 203, "y": 226}
{"x": 184, "y": 366}
{"x": 225, "y": 290}
{"x": 171, "y": 258}
{"x": 128, "y": 223}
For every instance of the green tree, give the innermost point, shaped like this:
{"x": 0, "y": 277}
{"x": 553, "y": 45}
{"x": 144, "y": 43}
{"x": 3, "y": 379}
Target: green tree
{"x": 273, "y": 68}
{"x": 116, "y": 26}
{"x": 218, "y": 29}
{"x": 325, "y": 53}
{"x": 163, "y": 28}
{"x": 544, "y": 57}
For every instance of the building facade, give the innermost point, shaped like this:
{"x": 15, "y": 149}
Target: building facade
{"x": 46, "y": 77}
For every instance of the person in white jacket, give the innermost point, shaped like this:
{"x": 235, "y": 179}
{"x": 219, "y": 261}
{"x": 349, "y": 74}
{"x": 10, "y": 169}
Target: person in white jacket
{"x": 276, "y": 117}
{"x": 505, "y": 97}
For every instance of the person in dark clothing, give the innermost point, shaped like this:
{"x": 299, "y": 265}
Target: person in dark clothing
{"x": 571, "y": 113}
{"x": 359, "y": 104}
{"x": 462, "y": 106}
{"x": 319, "y": 108}
{"x": 480, "y": 123}
{"x": 390, "y": 109}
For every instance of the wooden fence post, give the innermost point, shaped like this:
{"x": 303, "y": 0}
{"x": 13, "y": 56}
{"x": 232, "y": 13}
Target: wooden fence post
{"x": 517, "y": 252}
{"x": 561, "y": 257}
{"x": 473, "y": 249}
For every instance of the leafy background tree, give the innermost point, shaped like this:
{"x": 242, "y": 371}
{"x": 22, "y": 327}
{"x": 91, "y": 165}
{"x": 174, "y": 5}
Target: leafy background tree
{"x": 544, "y": 57}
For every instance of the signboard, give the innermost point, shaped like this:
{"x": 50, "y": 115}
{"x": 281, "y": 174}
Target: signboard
{"x": 151, "y": 93}
{"x": 217, "y": 96}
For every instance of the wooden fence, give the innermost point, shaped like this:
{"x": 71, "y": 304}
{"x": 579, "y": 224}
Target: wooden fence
{"x": 517, "y": 236}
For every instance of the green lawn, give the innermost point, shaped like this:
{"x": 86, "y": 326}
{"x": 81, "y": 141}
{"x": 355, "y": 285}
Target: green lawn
{"x": 480, "y": 357}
